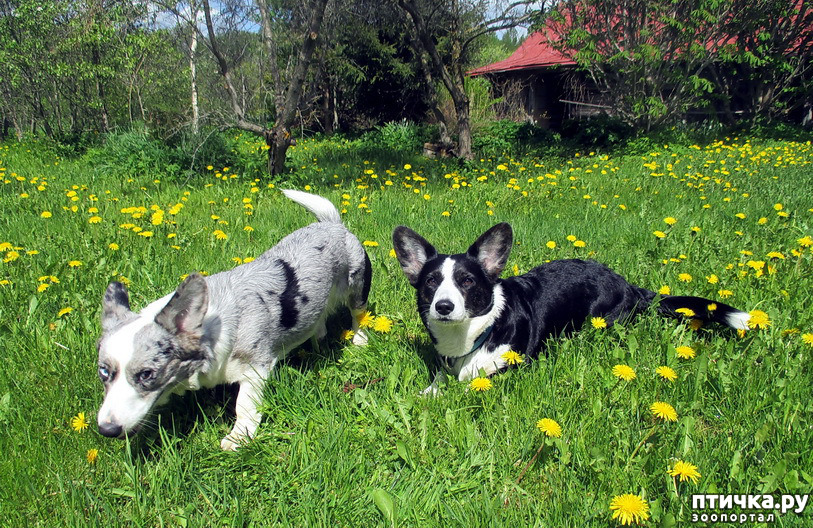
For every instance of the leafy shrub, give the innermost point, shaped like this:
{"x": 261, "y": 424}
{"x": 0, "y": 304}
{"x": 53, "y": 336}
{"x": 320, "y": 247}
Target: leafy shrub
{"x": 132, "y": 151}
{"x": 396, "y": 136}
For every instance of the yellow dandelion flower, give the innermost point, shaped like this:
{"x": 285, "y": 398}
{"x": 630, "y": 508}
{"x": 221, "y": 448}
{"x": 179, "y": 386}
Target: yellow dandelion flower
{"x": 92, "y": 455}
{"x": 95, "y": 220}
{"x": 758, "y": 319}
{"x": 370, "y": 243}
{"x": 685, "y": 471}
{"x": 549, "y": 427}
{"x": 365, "y": 319}
{"x": 685, "y": 352}
{"x": 75, "y": 263}
{"x": 688, "y": 312}
{"x": 624, "y": 372}
{"x": 805, "y": 241}
{"x": 347, "y": 335}
{"x": 659, "y": 234}
{"x": 446, "y": 213}
{"x": 512, "y": 358}
{"x": 551, "y": 244}
{"x": 220, "y": 235}
{"x": 713, "y": 279}
{"x": 598, "y": 322}
{"x": 145, "y": 234}
{"x": 481, "y": 384}
{"x": 669, "y": 220}
{"x": 46, "y": 214}
{"x": 666, "y": 373}
{"x": 579, "y": 243}
{"x": 382, "y": 324}
{"x": 571, "y": 238}
{"x": 664, "y": 411}
{"x": 629, "y": 509}
{"x": 725, "y": 293}
{"x": 685, "y": 277}
{"x": 407, "y": 166}
{"x": 64, "y": 311}
{"x": 664, "y": 290}
{"x": 79, "y": 423}
{"x": 807, "y": 339}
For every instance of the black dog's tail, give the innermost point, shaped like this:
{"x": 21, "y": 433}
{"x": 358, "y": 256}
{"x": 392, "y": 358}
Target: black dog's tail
{"x": 704, "y": 309}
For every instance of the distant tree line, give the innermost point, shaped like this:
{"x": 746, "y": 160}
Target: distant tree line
{"x": 278, "y": 68}
{"x": 269, "y": 67}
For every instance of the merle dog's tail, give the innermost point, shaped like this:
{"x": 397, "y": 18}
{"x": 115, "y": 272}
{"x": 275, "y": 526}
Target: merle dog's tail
{"x": 322, "y": 208}
{"x": 701, "y": 308}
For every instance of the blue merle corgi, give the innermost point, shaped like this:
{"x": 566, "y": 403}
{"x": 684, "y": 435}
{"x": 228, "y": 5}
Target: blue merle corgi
{"x": 474, "y": 317}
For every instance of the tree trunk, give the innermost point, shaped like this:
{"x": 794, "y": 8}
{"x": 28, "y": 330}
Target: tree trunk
{"x": 193, "y": 75}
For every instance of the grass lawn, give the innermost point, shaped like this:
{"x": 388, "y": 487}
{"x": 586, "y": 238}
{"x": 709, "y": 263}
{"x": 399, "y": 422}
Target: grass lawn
{"x": 347, "y": 440}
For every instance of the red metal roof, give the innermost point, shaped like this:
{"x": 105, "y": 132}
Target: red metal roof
{"x": 535, "y": 52}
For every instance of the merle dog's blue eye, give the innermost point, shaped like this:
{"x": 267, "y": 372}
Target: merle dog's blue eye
{"x": 104, "y": 374}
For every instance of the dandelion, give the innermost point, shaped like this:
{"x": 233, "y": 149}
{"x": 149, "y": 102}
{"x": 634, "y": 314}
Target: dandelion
{"x": 512, "y": 358}
{"x": 481, "y": 384}
{"x": 579, "y": 243}
{"x": 685, "y": 277}
{"x": 95, "y": 220}
{"x": 624, "y": 372}
{"x": 685, "y": 352}
{"x": 805, "y": 241}
{"x": 629, "y": 508}
{"x": 407, "y": 166}
{"x": 664, "y": 290}
{"x": 664, "y": 411}
{"x": 670, "y": 220}
{"x": 688, "y": 312}
{"x": 365, "y": 319}
{"x": 64, "y": 311}
{"x": 807, "y": 339}
{"x": 347, "y": 335}
{"x": 46, "y": 214}
{"x": 598, "y": 322}
{"x": 725, "y": 294}
{"x": 370, "y": 243}
{"x": 758, "y": 319}
{"x": 92, "y": 455}
{"x": 713, "y": 279}
{"x": 75, "y": 263}
{"x": 382, "y": 324}
{"x": 659, "y": 234}
{"x": 219, "y": 234}
{"x": 684, "y": 471}
{"x": 667, "y": 373}
{"x": 551, "y": 244}
{"x": 79, "y": 423}
{"x": 145, "y": 234}
{"x": 446, "y": 214}
{"x": 550, "y": 427}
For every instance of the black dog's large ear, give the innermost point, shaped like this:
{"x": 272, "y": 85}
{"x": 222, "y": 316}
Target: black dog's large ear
{"x": 412, "y": 251}
{"x": 115, "y": 305}
{"x": 492, "y": 249}
{"x": 185, "y": 311}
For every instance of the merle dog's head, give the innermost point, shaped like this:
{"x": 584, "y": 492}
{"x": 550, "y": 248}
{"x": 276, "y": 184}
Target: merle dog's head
{"x": 453, "y": 288}
{"x": 143, "y": 356}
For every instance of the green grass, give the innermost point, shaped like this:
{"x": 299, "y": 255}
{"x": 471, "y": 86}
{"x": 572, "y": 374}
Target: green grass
{"x": 346, "y": 438}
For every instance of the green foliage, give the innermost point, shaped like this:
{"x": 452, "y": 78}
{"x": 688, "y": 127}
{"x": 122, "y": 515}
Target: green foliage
{"x": 132, "y": 152}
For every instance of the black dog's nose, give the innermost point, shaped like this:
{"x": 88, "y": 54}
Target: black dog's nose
{"x": 110, "y": 430}
{"x": 444, "y": 307}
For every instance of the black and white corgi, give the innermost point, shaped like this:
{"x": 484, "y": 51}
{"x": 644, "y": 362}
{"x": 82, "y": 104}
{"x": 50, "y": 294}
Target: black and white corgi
{"x": 474, "y": 317}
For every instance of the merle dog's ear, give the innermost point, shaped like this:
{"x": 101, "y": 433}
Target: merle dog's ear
{"x": 492, "y": 249}
{"x": 185, "y": 311}
{"x": 412, "y": 251}
{"x": 115, "y": 305}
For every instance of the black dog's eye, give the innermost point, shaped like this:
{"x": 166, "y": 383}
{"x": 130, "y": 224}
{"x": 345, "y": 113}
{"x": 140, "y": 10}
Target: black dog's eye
{"x": 144, "y": 376}
{"x": 432, "y": 281}
{"x": 104, "y": 374}
{"x": 467, "y": 282}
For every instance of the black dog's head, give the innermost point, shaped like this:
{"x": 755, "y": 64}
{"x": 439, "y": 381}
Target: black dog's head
{"x": 453, "y": 288}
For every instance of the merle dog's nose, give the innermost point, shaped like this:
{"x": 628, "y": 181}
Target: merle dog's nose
{"x": 110, "y": 430}
{"x": 444, "y": 307}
